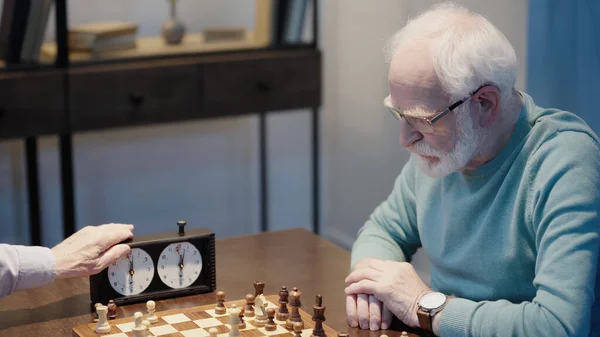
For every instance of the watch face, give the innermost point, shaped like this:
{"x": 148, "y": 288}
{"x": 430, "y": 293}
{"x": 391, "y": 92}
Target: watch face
{"x": 131, "y": 274}
{"x": 432, "y": 301}
{"x": 179, "y": 265}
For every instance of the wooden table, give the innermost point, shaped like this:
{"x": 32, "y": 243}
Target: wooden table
{"x": 295, "y": 258}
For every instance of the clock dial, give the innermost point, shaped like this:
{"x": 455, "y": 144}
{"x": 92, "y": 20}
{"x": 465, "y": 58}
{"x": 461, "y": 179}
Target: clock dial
{"x": 179, "y": 265}
{"x": 131, "y": 274}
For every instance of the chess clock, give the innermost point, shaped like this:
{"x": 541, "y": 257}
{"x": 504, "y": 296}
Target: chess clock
{"x": 159, "y": 266}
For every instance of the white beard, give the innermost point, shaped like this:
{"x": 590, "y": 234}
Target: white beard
{"x": 467, "y": 146}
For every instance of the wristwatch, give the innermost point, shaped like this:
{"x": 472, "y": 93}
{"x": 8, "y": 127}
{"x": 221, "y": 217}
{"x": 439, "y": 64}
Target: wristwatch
{"x": 429, "y": 305}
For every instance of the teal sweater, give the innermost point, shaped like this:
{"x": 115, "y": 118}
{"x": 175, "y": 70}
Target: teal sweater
{"x": 516, "y": 240}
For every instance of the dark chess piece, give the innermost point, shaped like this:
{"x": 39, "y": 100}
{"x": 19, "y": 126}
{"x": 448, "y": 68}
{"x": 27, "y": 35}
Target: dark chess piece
{"x": 318, "y": 318}
{"x": 283, "y": 314}
{"x": 298, "y": 326}
{"x": 242, "y": 323}
{"x": 112, "y": 310}
{"x": 249, "y": 311}
{"x": 271, "y": 326}
{"x": 259, "y": 288}
{"x": 220, "y": 309}
{"x": 295, "y": 304}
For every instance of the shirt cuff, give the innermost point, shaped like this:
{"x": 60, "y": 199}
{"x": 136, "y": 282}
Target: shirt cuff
{"x": 454, "y": 319}
{"x": 37, "y": 267}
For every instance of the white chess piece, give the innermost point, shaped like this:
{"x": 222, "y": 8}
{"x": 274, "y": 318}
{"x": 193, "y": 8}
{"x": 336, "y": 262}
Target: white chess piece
{"x": 213, "y": 332}
{"x": 138, "y": 318}
{"x": 140, "y": 329}
{"x": 260, "y": 305}
{"x": 102, "y": 326}
{"x": 151, "y": 317}
{"x": 234, "y": 321}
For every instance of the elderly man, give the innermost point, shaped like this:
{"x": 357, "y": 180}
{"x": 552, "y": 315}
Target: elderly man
{"x": 84, "y": 253}
{"x": 501, "y": 194}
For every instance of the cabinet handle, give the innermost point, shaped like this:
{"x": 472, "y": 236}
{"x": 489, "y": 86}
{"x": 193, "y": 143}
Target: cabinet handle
{"x": 263, "y": 86}
{"x": 136, "y": 100}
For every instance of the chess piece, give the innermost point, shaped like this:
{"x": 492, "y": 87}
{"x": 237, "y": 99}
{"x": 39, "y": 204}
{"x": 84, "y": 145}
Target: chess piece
{"x": 249, "y": 311}
{"x": 404, "y": 334}
{"x": 241, "y": 316}
{"x": 151, "y": 307}
{"x": 295, "y": 304}
{"x": 112, "y": 309}
{"x": 271, "y": 326}
{"x": 147, "y": 324}
{"x": 139, "y": 331}
{"x": 234, "y": 321}
{"x": 173, "y": 29}
{"x": 298, "y": 326}
{"x": 138, "y": 318}
{"x": 213, "y": 332}
{"x": 102, "y": 326}
{"x": 220, "y": 309}
{"x": 261, "y": 311}
{"x": 318, "y": 317}
{"x": 283, "y": 314}
{"x": 344, "y": 334}
{"x": 96, "y": 314}
{"x": 259, "y": 288}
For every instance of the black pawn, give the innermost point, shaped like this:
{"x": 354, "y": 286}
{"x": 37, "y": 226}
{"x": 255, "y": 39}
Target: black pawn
{"x": 271, "y": 326}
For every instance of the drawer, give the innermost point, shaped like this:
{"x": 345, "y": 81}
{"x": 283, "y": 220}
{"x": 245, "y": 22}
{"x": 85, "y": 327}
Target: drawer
{"x": 255, "y": 85}
{"x": 122, "y": 96}
{"x": 31, "y": 104}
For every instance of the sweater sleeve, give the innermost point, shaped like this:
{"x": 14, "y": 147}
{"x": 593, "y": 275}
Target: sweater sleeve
{"x": 391, "y": 231}
{"x": 563, "y": 211}
{"x": 23, "y": 267}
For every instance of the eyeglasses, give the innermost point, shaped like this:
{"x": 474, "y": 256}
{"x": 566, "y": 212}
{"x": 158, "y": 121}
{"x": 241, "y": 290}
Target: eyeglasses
{"x": 425, "y": 124}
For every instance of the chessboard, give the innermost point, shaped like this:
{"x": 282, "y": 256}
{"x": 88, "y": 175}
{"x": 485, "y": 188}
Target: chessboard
{"x": 198, "y": 321}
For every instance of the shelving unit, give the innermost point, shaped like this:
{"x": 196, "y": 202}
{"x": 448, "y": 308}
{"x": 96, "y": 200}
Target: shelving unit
{"x": 68, "y": 97}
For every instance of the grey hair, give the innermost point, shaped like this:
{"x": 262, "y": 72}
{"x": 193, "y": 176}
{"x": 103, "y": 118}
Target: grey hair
{"x": 467, "y": 50}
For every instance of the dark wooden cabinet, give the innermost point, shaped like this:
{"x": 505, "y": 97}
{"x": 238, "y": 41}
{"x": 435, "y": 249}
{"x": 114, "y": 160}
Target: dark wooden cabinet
{"x": 31, "y": 104}
{"x": 113, "y": 96}
{"x": 284, "y": 81}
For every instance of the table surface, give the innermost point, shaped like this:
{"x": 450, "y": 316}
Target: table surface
{"x": 295, "y": 258}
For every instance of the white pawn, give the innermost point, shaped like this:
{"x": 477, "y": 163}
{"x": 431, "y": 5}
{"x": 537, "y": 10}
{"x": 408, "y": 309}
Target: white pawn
{"x": 234, "y": 321}
{"x": 140, "y": 329}
{"x": 213, "y": 332}
{"x": 151, "y": 317}
{"x": 102, "y": 326}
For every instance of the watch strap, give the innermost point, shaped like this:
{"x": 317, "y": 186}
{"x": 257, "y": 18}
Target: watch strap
{"x": 424, "y": 320}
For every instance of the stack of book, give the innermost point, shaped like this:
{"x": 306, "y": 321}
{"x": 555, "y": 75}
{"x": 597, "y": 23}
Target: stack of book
{"x": 102, "y": 37}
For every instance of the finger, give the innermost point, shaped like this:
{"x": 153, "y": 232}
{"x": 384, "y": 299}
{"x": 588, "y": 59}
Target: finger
{"x": 363, "y": 274}
{"x": 113, "y": 254}
{"x": 386, "y": 319}
{"x": 374, "y": 313}
{"x": 351, "y": 310}
{"x": 362, "y": 287}
{"x": 112, "y": 234}
{"x": 362, "y": 308}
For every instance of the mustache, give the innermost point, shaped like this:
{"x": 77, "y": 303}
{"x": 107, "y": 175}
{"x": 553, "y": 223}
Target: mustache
{"x": 425, "y": 149}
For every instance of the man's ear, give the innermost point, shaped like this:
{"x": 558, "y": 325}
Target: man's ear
{"x": 488, "y": 102}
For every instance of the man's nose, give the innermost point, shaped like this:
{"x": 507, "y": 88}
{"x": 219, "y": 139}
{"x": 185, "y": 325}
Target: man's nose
{"x": 408, "y": 135}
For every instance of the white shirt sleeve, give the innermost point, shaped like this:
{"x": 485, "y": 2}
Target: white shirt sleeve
{"x": 23, "y": 267}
